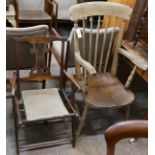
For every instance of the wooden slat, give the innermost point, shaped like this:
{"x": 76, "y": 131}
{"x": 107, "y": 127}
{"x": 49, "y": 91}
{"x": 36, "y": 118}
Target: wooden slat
{"x": 90, "y": 40}
{"x": 110, "y": 45}
{"x": 103, "y": 45}
{"x": 76, "y": 49}
{"x": 96, "y": 42}
{"x": 83, "y": 38}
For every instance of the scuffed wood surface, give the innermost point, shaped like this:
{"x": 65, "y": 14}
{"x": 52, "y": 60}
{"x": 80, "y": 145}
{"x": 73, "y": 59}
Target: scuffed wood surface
{"x": 137, "y": 55}
{"x": 104, "y": 90}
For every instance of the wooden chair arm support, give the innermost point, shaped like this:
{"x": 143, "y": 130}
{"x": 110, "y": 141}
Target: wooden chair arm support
{"x": 126, "y": 129}
{"x": 72, "y": 79}
{"x": 56, "y": 55}
{"x": 91, "y": 70}
{"x": 13, "y": 83}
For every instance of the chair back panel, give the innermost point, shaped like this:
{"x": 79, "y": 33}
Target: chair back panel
{"x": 93, "y": 43}
{"x": 40, "y": 49}
{"x": 27, "y": 58}
{"x": 70, "y": 52}
{"x": 94, "y": 57}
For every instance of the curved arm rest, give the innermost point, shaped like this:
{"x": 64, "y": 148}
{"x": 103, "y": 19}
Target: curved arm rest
{"x": 126, "y": 129}
{"x": 135, "y": 57}
{"x": 84, "y": 63}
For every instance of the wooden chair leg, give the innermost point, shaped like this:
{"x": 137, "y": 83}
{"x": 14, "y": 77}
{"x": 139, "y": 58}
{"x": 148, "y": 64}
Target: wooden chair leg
{"x": 73, "y": 100}
{"x": 127, "y": 112}
{"x": 82, "y": 121}
{"x": 73, "y": 130}
{"x": 15, "y": 127}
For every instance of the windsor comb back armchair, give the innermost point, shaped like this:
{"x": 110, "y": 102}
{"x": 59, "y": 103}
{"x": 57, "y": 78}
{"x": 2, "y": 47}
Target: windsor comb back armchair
{"x": 96, "y": 56}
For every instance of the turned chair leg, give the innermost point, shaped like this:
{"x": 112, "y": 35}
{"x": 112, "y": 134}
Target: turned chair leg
{"x": 82, "y": 121}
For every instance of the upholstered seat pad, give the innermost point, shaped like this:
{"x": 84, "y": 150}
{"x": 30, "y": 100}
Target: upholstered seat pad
{"x": 43, "y": 103}
{"x": 104, "y": 90}
{"x": 33, "y": 15}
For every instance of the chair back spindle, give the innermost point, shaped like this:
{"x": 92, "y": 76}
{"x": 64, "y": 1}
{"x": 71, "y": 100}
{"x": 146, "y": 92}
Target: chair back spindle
{"x": 103, "y": 45}
{"x": 94, "y": 43}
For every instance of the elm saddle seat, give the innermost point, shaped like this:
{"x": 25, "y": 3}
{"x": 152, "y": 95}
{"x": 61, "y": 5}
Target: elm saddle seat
{"x": 104, "y": 90}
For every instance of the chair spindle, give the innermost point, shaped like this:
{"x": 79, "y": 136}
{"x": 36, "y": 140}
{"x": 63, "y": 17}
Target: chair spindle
{"x": 96, "y": 42}
{"x": 90, "y": 40}
{"x": 110, "y": 45}
{"x": 103, "y": 44}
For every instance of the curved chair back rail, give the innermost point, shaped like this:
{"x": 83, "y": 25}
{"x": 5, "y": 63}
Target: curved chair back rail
{"x": 127, "y": 129}
{"x": 99, "y": 8}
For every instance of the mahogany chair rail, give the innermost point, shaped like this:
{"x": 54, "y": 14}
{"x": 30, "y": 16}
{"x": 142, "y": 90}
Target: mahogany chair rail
{"x": 126, "y": 129}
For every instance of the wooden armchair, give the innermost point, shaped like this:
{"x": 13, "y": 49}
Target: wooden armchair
{"x": 121, "y": 130}
{"x": 41, "y": 12}
{"x": 39, "y": 107}
{"x": 96, "y": 57}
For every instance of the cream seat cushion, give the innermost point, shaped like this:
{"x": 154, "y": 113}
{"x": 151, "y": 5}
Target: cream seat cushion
{"x": 43, "y": 103}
